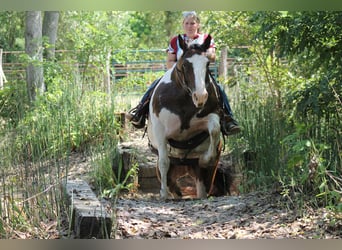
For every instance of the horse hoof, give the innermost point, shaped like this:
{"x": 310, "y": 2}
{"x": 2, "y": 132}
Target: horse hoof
{"x": 163, "y": 195}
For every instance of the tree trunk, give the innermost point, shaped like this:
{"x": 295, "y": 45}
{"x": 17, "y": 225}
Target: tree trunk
{"x": 50, "y": 27}
{"x": 34, "y": 49}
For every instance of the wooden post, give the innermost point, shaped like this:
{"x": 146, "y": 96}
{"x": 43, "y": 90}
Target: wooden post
{"x": 223, "y": 63}
{"x": 2, "y": 75}
{"x": 107, "y": 80}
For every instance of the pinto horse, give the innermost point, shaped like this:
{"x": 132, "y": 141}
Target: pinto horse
{"x": 184, "y": 121}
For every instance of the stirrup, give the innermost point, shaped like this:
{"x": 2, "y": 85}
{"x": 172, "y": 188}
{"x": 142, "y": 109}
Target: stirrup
{"x": 138, "y": 121}
{"x": 229, "y": 126}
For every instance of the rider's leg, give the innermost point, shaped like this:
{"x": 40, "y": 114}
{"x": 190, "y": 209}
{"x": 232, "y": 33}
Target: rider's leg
{"x": 229, "y": 125}
{"x": 137, "y": 116}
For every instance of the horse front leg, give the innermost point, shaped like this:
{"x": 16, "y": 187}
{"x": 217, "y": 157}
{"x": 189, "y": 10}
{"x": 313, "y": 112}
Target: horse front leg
{"x": 164, "y": 165}
{"x": 210, "y": 156}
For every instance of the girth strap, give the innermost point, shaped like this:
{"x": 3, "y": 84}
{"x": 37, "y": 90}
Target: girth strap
{"x": 191, "y": 143}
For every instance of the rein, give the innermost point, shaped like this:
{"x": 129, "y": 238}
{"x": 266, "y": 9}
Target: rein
{"x": 182, "y": 82}
{"x": 219, "y": 148}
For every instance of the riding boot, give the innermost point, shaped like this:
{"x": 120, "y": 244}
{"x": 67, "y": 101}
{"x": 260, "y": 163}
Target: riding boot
{"x": 229, "y": 126}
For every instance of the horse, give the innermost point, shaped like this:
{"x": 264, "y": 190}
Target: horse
{"x": 184, "y": 118}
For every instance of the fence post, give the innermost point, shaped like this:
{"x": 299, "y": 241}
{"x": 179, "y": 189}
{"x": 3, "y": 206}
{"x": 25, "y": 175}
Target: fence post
{"x": 2, "y": 75}
{"x": 107, "y": 80}
{"x": 223, "y": 63}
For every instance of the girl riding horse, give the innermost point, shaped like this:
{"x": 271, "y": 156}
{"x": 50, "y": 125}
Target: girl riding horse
{"x": 191, "y": 25}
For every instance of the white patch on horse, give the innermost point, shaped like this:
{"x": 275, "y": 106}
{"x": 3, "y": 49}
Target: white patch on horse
{"x": 214, "y": 129}
{"x": 200, "y": 94}
{"x": 167, "y": 76}
{"x": 171, "y": 121}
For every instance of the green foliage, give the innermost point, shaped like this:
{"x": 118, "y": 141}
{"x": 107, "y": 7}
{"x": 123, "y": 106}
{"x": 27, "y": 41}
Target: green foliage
{"x": 65, "y": 120}
{"x": 13, "y": 103}
{"x": 311, "y": 43}
{"x": 109, "y": 175}
{"x": 262, "y": 129}
{"x": 136, "y": 82}
{"x": 153, "y": 29}
{"x": 229, "y": 28}
{"x": 11, "y": 31}
{"x": 314, "y": 36}
{"x": 308, "y": 172}
{"x": 68, "y": 118}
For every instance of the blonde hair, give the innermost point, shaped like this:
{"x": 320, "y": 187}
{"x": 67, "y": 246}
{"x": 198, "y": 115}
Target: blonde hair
{"x": 192, "y": 14}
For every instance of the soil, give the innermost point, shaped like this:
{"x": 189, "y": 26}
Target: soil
{"x": 249, "y": 216}
{"x": 254, "y": 215}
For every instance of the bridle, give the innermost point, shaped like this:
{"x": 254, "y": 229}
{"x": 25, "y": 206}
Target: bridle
{"x": 181, "y": 76}
{"x": 182, "y": 82}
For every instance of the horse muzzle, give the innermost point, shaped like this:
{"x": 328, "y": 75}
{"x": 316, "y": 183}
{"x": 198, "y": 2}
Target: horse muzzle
{"x": 199, "y": 99}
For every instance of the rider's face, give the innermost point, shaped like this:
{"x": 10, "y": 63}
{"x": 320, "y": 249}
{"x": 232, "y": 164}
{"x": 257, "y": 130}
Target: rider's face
{"x": 190, "y": 26}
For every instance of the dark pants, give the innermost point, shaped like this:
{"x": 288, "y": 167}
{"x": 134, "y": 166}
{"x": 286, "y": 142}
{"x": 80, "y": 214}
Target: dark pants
{"x": 148, "y": 92}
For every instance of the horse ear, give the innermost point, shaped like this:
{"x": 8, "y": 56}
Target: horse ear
{"x": 181, "y": 42}
{"x": 207, "y": 42}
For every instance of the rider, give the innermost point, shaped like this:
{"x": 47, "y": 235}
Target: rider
{"x": 191, "y": 25}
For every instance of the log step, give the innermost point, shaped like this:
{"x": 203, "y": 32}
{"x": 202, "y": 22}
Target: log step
{"x": 89, "y": 217}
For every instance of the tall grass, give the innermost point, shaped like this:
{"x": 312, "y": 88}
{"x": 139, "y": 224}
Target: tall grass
{"x": 38, "y": 141}
{"x": 257, "y": 150}
{"x": 293, "y": 152}
{"x": 35, "y": 150}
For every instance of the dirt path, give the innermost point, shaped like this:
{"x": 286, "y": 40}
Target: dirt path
{"x": 249, "y": 216}
{"x": 252, "y": 216}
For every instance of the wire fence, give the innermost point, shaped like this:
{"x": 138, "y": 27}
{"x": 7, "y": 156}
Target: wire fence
{"x": 122, "y": 63}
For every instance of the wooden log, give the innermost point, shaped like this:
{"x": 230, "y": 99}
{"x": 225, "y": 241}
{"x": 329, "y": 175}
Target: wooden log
{"x": 147, "y": 180}
{"x": 89, "y": 217}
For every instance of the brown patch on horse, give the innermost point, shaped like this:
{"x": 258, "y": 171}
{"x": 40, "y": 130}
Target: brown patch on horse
{"x": 176, "y": 102}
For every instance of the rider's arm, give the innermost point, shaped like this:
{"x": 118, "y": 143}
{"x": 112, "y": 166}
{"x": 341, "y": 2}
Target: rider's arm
{"x": 211, "y": 55}
{"x": 171, "y": 60}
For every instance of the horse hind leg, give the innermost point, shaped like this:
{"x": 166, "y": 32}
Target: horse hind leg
{"x": 200, "y": 174}
{"x": 201, "y": 192}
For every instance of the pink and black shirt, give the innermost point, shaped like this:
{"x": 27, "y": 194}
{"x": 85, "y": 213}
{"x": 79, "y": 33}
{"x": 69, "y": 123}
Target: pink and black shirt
{"x": 174, "y": 44}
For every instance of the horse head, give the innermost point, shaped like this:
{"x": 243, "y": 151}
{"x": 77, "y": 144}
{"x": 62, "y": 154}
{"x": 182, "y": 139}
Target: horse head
{"x": 192, "y": 69}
